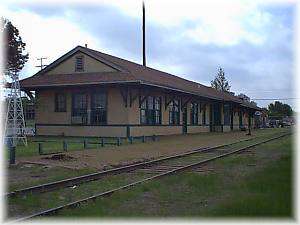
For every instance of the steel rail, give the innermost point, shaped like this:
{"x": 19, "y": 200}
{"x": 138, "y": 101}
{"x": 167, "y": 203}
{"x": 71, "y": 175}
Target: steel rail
{"x": 110, "y": 192}
{"x": 97, "y": 175}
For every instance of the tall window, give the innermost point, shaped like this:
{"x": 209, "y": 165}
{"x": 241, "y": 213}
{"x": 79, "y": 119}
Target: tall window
{"x": 60, "y": 102}
{"x": 143, "y": 112}
{"x": 98, "y": 108}
{"x": 29, "y": 111}
{"x": 79, "y": 65}
{"x": 194, "y": 113}
{"x": 174, "y": 113}
{"x": 226, "y": 114}
{"x": 150, "y": 112}
{"x": 79, "y": 108}
{"x": 157, "y": 110}
{"x": 204, "y": 114}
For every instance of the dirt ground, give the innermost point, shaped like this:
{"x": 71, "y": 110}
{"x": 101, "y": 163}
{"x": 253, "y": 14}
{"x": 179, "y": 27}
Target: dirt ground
{"x": 104, "y": 158}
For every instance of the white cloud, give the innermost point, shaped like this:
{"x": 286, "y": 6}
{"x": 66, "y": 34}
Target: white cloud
{"x": 47, "y": 37}
{"x": 216, "y": 21}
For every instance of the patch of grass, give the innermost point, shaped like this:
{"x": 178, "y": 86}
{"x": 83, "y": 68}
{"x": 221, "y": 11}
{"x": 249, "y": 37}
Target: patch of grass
{"x": 34, "y": 203}
{"x": 55, "y": 144}
{"x": 184, "y": 194}
{"x": 267, "y": 194}
{"x": 44, "y": 175}
{"x": 264, "y": 191}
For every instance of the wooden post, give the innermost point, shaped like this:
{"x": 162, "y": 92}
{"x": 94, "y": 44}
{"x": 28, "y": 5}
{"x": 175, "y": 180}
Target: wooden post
{"x": 12, "y": 151}
{"x": 65, "y": 146}
{"x": 40, "y": 148}
{"x": 154, "y": 137}
{"x": 249, "y": 124}
{"x": 131, "y": 140}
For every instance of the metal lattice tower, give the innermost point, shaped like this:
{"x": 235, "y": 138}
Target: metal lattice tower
{"x": 15, "y": 123}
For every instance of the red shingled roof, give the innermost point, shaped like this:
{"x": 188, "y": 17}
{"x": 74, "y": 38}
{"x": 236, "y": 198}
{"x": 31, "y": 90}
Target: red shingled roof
{"x": 126, "y": 72}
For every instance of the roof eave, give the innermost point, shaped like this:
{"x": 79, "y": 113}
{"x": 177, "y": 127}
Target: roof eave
{"x": 33, "y": 87}
{"x": 179, "y": 90}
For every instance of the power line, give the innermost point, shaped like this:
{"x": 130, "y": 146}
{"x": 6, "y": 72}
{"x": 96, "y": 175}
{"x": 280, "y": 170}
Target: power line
{"x": 280, "y": 90}
{"x": 257, "y": 99}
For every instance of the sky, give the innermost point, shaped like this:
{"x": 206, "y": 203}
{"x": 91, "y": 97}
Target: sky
{"x": 253, "y": 41}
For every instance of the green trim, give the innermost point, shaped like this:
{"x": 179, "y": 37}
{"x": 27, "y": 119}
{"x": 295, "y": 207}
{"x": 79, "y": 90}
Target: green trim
{"x": 121, "y": 125}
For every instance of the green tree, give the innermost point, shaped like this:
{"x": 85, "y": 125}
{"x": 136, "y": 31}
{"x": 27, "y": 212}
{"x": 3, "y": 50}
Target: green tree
{"x": 14, "y": 48}
{"x": 220, "y": 83}
{"x": 279, "y": 109}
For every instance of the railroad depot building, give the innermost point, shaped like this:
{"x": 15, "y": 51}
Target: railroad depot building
{"x": 89, "y": 93}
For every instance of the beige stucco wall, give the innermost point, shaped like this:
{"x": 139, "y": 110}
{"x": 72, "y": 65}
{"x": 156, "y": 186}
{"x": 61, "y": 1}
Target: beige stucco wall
{"x": 45, "y": 108}
{"x": 117, "y": 114}
{"x": 217, "y": 128}
{"x": 90, "y": 65}
{"x": 236, "y": 127}
{"x": 197, "y": 129}
{"x": 88, "y": 131}
{"x": 236, "y": 119}
{"x": 157, "y": 130}
{"x": 134, "y": 110}
{"x": 226, "y": 128}
{"x": 207, "y": 109}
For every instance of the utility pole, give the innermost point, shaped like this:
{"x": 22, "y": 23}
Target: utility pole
{"x": 144, "y": 39}
{"x": 41, "y": 62}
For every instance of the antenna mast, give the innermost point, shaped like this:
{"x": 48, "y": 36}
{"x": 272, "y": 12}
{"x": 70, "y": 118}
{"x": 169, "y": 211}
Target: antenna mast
{"x": 41, "y": 62}
{"x": 144, "y": 39}
{"x": 15, "y": 123}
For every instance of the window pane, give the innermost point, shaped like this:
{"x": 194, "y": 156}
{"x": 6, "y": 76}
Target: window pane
{"x": 194, "y": 113}
{"x": 150, "y": 111}
{"x": 157, "y": 117}
{"x": 150, "y": 102}
{"x": 99, "y": 101}
{"x": 177, "y": 118}
{"x": 226, "y": 114}
{"x": 143, "y": 116}
{"x": 174, "y": 112}
{"x": 176, "y": 105}
{"x": 98, "y": 108}
{"x": 79, "y": 108}
{"x": 157, "y": 103}
{"x": 144, "y": 104}
{"x": 60, "y": 102}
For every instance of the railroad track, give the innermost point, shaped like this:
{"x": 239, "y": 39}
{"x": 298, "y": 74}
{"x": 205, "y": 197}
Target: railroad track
{"x": 98, "y": 175}
{"x": 164, "y": 168}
